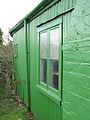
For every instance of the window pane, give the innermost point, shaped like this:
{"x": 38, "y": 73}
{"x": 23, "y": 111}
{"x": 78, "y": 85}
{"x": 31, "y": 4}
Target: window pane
{"x": 43, "y": 44}
{"x": 54, "y": 73}
{"x": 43, "y": 70}
{"x": 16, "y": 50}
{"x": 54, "y": 43}
{"x": 54, "y": 55}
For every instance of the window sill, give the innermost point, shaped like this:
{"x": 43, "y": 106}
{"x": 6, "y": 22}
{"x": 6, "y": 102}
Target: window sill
{"x": 50, "y": 95}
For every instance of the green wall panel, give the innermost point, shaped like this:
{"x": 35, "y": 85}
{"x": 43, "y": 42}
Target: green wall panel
{"x": 20, "y": 65}
{"x": 76, "y": 65}
{"x": 43, "y": 107}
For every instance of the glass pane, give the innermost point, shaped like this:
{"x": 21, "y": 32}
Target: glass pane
{"x": 54, "y": 43}
{"x": 43, "y": 70}
{"x": 16, "y": 50}
{"x": 54, "y": 73}
{"x": 43, "y": 45}
{"x": 54, "y": 55}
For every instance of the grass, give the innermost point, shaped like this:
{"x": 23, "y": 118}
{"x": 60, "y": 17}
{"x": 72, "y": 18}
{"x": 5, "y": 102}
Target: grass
{"x": 11, "y": 110}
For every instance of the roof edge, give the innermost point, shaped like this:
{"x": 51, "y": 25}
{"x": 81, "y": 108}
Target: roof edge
{"x": 37, "y": 9}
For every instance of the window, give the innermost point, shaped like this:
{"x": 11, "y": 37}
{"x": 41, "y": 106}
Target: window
{"x": 49, "y": 36}
{"x": 49, "y": 53}
{"x": 16, "y": 50}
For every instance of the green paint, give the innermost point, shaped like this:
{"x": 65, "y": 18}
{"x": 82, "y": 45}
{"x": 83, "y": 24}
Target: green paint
{"x": 72, "y": 100}
{"x": 20, "y": 65}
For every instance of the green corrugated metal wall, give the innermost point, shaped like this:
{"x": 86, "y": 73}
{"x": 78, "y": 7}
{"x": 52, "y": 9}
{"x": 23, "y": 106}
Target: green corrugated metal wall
{"x": 76, "y": 63}
{"x": 42, "y": 106}
{"x": 20, "y": 65}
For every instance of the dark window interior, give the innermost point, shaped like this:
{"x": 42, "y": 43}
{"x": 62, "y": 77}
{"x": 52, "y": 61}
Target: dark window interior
{"x": 54, "y": 73}
{"x": 43, "y": 70}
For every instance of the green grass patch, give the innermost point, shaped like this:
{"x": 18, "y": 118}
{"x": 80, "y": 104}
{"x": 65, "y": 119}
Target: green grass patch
{"x": 11, "y": 110}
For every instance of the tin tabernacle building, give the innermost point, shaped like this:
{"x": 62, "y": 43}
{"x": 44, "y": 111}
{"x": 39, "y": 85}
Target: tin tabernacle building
{"x": 52, "y": 60}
